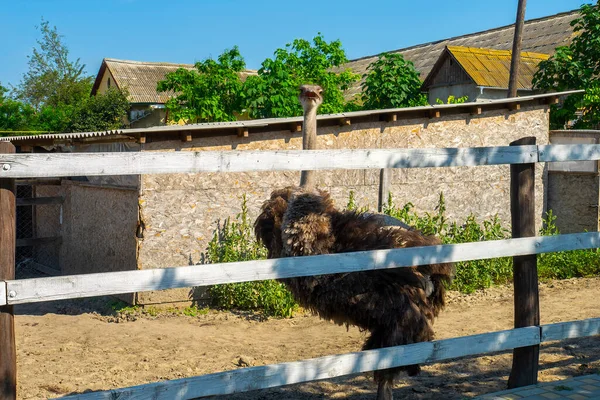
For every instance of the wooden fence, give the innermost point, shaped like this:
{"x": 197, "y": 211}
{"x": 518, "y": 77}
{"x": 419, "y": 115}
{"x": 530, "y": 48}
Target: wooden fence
{"x": 524, "y": 339}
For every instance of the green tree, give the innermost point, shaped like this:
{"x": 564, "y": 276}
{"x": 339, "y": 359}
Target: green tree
{"x": 53, "y": 79}
{"x": 14, "y": 115}
{"x": 100, "y": 112}
{"x": 392, "y": 82}
{"x": 576, "y": 66}
{"x": 210, "y": 93}
{"x": 274, "y": 91}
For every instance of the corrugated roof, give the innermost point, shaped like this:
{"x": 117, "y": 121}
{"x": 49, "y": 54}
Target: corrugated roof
{"x": 61, "y": 136}
{"x": 140, "y": 78}
{"x": 284, "y": 123}
{"x": 540, "y": 35}
{"x": 489, "y": 67}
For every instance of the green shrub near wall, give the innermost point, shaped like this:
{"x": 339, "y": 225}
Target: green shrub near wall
{"x": 234, "y": 241}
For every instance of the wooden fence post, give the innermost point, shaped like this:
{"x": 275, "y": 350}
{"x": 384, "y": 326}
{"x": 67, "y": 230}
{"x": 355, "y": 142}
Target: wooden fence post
{"x": 526, "y": 298}
{"x": 8, "y": 354}
{"x": 385, "y": 176}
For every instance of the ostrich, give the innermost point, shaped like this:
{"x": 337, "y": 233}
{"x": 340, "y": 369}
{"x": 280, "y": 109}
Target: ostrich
{"x": 396, "y": 306}
{"x": 311, "y": 97}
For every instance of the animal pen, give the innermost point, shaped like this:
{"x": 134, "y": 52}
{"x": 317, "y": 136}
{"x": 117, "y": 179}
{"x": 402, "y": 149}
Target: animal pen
{"x": 525, "y": 338}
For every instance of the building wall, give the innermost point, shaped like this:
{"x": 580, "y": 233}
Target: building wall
{"x": 458, "y": 90}
{"x": 574, "y": 187}
{"x": 574, "y": 198}
{"x": 156, "y": 116}
{"x": 180, "y": 211}
{"x": 103, "y": 86}
{"x": 98, "y": 229}
{"x": 470, "y": 90}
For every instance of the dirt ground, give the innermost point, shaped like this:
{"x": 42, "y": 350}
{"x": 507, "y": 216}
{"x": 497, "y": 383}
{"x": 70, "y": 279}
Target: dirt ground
{"x": 66, "y": 347}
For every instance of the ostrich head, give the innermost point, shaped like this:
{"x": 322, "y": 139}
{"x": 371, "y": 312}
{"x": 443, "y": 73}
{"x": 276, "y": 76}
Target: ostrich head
{"x": 311, "y": 97}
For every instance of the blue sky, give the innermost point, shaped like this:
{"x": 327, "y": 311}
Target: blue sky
{"x": 186, "y": 31}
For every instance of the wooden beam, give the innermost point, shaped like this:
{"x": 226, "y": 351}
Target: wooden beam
{"x": 134, "y": 163}
{"x": 38, "y": 241}
{"x": 142, "y": 138}
{"x": 392, "y": 117}
{"x": 39, "y": 182}
{"x": 37, "y": 201}
{"x": 186, "y": 137}
{"x": 552, "y": 100}
{"x": 108, "y": 283}
{"x": 514, "y": 106}
{"x": 434, "y": 114}
{"x": 242, "y": 132}
{"x": 385, "y": 177}
{"x": 8, "y": 354}
{"x": 526, "y": 298}
{"x": 344, "y": 122}
{"x": 476, "y": 110}
{"x": 276, "y": 375}
{"x": 296, "y": 127}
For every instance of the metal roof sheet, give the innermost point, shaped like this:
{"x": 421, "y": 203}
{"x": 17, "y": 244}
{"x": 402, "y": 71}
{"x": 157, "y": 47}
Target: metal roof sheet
{"x": 491, "y": 68}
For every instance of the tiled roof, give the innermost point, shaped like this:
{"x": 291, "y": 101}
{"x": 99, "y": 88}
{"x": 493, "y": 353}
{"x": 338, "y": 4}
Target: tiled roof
{"x": 491, "y": 68}
{"x": 140, "y": 78}
{"x": 540, "y": 35}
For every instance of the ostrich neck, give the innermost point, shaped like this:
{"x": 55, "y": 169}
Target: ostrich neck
{"x": 309, "y": 142}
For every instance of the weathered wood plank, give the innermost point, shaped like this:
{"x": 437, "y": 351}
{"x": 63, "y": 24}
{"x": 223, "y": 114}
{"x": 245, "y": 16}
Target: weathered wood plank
{"x": 100, "y": 284}
{"x": 37, "y": 201}
{"x": 37, "y": 241}
{"x": 569, "y": 152}
{"x": 8, "y": 234}
{"x": 94, "y": 164}
{"x": 570, "y": 330}
{"x": 526, "y": 295}
{"x": 385, "y": 179}
{"x": 276, "y": 375}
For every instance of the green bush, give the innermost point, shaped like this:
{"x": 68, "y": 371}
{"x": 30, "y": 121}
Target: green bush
{"x": 234, "y": 241}
{"x": 566, "y": 264}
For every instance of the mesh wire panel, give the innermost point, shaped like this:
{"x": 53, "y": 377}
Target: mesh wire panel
{"x": 39, "y": 221}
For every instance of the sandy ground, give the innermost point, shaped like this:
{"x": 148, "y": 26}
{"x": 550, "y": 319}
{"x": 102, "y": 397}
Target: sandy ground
{"x": 63, "y": 348}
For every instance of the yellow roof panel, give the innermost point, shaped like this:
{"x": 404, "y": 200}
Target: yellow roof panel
{"x": 491, "y": 68}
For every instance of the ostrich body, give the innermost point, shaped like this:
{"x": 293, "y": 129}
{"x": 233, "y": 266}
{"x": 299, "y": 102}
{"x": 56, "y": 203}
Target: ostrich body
{"x": 397, "y": 306}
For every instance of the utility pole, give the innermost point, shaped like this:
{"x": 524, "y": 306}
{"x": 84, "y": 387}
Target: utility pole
{"x": 516, "y": 50}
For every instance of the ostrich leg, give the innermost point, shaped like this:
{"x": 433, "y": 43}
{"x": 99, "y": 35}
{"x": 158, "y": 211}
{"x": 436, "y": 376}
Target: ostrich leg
{"x": 384, "y": 391}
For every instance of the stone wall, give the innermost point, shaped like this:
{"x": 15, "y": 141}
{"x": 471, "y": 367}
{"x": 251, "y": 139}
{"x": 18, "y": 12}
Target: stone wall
{"x": 180, "y": 211}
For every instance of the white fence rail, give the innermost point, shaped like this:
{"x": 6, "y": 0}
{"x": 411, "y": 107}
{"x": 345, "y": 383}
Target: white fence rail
{"x": 99, "y": 164}
{"x": 99, "y": 284}
{"x": 89, "y": 164}
{"x": 246, "y": 379}
{"x": 254, "y": 378}
{"x": 75, "y": 286}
